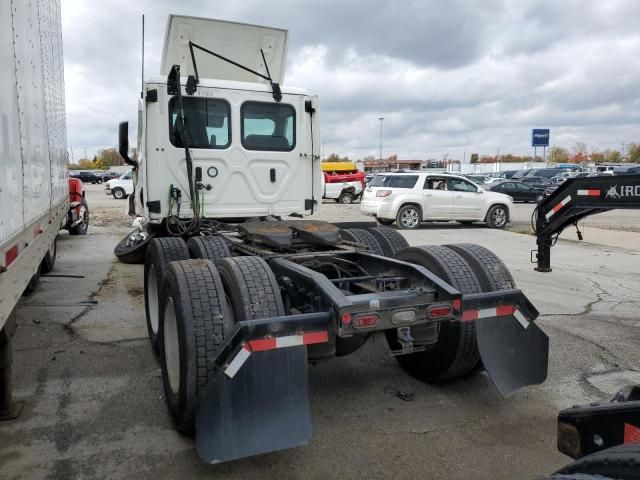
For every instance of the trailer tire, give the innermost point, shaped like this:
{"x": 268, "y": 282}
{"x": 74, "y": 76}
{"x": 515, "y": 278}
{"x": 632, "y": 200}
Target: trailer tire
{"x": 211, "y": 248}
{"x": 391, "y": 241}
{"x": 251, "y": 287}
{"x": 621, "y": 462}
{"x": 49, "y": 260}
{"x": 194, "y": 322}
{"x": 363, "y": 237}
{"x": 83, "y": 227}
{"x": 455, "y": 353}
{"x": 159, "y": 253}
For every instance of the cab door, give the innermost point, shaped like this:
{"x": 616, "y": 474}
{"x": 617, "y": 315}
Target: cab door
{"x": 437, "y": 200}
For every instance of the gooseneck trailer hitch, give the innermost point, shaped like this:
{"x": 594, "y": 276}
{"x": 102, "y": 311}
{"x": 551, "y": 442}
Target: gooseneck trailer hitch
{"x": 574, "y": 200}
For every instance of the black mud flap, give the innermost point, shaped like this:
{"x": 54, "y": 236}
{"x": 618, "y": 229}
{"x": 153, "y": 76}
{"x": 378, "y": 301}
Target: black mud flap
{"x": 514, "y": 353}
{"x": 263, "y": 408}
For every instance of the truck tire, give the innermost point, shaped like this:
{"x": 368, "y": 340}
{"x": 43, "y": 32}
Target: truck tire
{"x": 251, "y": 287}
{"x": 160, "y": 252}
{"x": 135, "y": 253}
{"x": 620, "y": 462}
{"x": 82, "y": 227}
{"x": 211, "y": 248}
{"x": 118, "y": 193}
{"x": 390, "y": 240}
{"x": 455, "y": 353}
{"x": 492, "y": 273}
{"x": 409, "y": 217}
{"x": 363, "y": 237}
{"x": 49, "y": 260}
{"x": 346, "y": 198}
{"x": 194, "y": 322}
{"x": 576, "y": 476}
{"x": 497, "y": 217}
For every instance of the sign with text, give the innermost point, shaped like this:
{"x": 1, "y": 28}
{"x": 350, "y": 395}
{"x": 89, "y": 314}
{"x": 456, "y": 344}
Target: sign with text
{"x": 540, "y": 137}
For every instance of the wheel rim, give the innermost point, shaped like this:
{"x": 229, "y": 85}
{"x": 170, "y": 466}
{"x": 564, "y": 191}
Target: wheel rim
{"x": 499, "y": 217}
{"x": 84, "y": 214}
{"x": 118, "y": 193}
{"x": 152, "y": 298}
{"x": 409, "y": 218}
{"x": 539, "y": 198}
{"x": 346, "y": 198}
{"x": 171, "y": 346}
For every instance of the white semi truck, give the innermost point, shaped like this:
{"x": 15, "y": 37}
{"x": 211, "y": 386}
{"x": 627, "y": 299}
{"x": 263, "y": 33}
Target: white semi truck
{"x": 238, "y": 296}
{"x": 34, "y": 191}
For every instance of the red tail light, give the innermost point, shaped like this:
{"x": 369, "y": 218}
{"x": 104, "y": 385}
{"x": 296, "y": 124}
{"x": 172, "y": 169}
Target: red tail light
{"x": 383, "y": 193}
{"x": 439, "y": 311}
{"x": 366, "y": 321}
{"x": 346, "y": 318}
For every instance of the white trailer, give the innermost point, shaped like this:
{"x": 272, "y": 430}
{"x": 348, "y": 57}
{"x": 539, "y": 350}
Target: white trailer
{"x": 34, "y": 192}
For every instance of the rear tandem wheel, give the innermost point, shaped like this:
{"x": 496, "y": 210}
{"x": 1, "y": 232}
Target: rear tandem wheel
{"x": 455, "y": 353}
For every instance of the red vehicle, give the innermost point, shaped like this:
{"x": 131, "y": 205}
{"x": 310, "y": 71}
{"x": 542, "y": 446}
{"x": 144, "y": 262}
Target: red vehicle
{"x": 78, "y": 214}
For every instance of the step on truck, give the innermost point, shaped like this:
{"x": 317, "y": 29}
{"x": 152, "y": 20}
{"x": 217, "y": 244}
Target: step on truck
{"x": 35, "y": 196}
{"x": 242, "y": 288}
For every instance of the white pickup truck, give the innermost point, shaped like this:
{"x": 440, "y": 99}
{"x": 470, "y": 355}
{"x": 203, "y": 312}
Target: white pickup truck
{"x": 342, "y": 192}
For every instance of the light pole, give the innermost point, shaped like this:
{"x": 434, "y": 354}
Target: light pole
{"x": 381, "y": 119}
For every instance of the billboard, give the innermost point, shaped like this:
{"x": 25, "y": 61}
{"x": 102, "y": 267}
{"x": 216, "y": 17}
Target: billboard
{"x": 540, "y": 137}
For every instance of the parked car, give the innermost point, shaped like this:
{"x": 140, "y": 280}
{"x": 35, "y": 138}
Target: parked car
{"x": 478, "y": 179}
{"x": 410, "y": 198}
{"x": 508, "y": 173}
{"x": 544, "y": 172}
{"x": 539, "y": 183}
{"x": 120, "y": 187}
{"x": 85, "y": 176}
{"x": 519, "y": 191}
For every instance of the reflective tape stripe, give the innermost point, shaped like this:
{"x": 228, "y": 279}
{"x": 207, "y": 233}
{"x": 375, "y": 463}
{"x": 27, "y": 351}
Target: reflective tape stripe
{"x": 264, "y": 344}
{"x": 499, "y": 311}
{"x": 10, "y": 255}
{"x": 589, "y": 193}
{"x": 237, "y": 362}
{"x": 631, "y": 433}
{"x": 559, "y": 206}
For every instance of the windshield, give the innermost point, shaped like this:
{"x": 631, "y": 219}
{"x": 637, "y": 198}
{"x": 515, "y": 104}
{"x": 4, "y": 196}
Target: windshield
{"x": 394, "y": 181}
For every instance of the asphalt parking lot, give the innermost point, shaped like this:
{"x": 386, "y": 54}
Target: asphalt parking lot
{"x": 93, "y": 392}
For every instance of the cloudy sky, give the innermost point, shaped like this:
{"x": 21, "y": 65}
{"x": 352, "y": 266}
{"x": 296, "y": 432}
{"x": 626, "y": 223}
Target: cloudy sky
{"x": 449, "y": 77}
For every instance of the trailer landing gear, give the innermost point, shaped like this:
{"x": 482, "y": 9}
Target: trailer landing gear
{"x": 9, "y": 409}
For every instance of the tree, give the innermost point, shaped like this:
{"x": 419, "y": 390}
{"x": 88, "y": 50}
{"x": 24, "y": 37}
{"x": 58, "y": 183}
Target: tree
{"x": 560, "y": 155}
{"x": 473, "y": 158}
{"x": 633, "y": 154}
{"x": 579, "y": 152}
{"x": 109, "y": 157}
{"x": 334, "y": 157}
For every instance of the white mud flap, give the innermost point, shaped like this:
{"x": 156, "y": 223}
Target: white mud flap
{"x": 262, "y": 407}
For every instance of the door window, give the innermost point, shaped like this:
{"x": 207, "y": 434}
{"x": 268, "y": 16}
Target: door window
{"x": 460, "y": 185}
{"x": 435, "y": 183}
{"x": 207, "y": 119}
{"x": 268, "y": 126}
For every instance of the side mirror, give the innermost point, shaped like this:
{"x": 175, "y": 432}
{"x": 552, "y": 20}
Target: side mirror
{"x": 123, "y": 144}
{"x": 480, "y": 190}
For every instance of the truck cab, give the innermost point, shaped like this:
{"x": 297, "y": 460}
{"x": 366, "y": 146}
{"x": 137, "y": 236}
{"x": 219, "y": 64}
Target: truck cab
{"x": 251, "y": 155}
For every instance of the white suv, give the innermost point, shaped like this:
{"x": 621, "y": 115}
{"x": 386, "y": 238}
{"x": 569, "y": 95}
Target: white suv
{"x": 410, "y": 197}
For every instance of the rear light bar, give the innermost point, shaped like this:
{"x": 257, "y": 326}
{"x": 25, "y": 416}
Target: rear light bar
{"x": 383, "y": 193}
